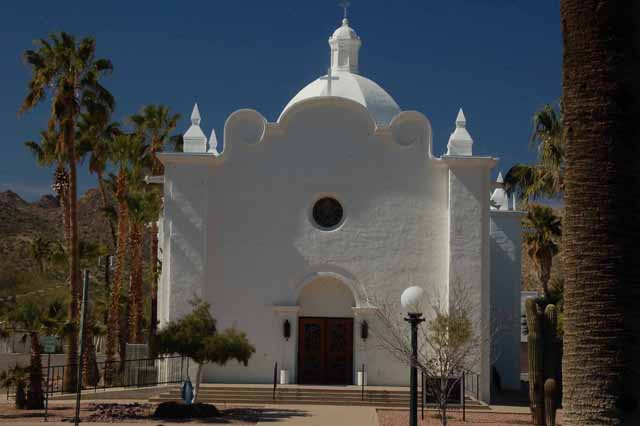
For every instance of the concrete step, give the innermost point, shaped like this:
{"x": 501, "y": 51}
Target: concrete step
{"x": 303, "y": 395}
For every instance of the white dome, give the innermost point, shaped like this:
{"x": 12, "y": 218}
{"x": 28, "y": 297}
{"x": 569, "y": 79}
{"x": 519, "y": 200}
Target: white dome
{"x": 345, "y": 32}
{"x": 360, "y": 89}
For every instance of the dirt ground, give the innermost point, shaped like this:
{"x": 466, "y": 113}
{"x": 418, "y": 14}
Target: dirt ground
{"x": 64, "y": 412}
{"x": 488, "y": 418}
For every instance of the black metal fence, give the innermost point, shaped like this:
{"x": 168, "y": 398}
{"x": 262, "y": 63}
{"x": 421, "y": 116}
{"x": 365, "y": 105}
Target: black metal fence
{"x": 118, "y": 374}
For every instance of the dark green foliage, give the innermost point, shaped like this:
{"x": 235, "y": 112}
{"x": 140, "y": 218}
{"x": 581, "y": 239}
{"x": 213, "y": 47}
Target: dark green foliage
{"x": 177, "y": 410}
{"x": 195, "y": 335}
{"x": 16, "y": 377}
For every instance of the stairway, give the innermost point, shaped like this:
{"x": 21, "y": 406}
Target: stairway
{"x": 384, "y": 397}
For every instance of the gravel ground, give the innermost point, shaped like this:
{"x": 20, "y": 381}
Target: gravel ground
{"x": 129, "y": 413}
{"x": 401, "y": 418}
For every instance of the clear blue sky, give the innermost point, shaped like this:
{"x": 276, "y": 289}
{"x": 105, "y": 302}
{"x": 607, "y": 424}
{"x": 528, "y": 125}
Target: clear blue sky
{"x": 498, "y": 59}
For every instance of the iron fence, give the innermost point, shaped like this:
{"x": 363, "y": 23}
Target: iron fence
{"x": 118, "y": 374}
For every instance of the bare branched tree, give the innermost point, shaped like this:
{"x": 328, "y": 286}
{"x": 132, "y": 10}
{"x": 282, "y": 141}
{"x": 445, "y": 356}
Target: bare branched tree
{"x": 450, "y": 341}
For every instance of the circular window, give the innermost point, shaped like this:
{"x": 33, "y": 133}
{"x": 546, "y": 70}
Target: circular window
{"x": 327, "y": 212}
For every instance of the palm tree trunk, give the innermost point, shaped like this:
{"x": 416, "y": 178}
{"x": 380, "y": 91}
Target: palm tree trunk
{"x": 91, "y": 375}
{"x": 105, "y": 204}
{"x": 601, "y": 100}
{"x": 153, "y": 326}
{"x": 74, "y": 274}
{"x": 135, "y": 312}
{"x": 35, "y": 395}
{"x": 113, "y": 331}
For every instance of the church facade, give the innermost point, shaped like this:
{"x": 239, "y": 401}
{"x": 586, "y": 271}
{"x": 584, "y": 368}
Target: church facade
{"x": 291, "y": 230}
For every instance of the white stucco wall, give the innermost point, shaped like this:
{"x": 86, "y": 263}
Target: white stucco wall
{"x": 238, "y": 232}
{"x": 506, "y": 256}
{"x": 261, "y": 244}
{"x": 469, "y": 250}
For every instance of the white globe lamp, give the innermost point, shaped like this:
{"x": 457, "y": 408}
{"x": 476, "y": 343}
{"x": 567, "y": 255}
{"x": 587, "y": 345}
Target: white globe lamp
{"x": 411, "y": 298}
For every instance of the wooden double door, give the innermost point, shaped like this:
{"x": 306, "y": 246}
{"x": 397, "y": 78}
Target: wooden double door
{"x": 325, "y": 351}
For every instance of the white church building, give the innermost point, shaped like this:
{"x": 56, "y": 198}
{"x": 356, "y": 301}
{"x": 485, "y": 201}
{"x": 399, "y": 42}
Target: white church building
{"x": 291, "y": 228}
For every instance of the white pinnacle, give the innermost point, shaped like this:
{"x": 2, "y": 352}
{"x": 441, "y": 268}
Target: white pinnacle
{"x": 195, "y": 115}
{"x": 500, "y": 179}
{"x": 213, "y": 141}
{"x": 461, "y": 120}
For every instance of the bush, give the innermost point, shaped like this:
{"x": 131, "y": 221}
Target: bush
{"x": 178, "y": 410}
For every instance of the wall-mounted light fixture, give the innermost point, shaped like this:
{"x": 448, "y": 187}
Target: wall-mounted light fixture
{"x": 287, "y": 329}
{"x": 364, "y": 330}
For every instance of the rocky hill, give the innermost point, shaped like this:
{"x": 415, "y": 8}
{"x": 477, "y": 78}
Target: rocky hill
{"x": 21, "y": 222}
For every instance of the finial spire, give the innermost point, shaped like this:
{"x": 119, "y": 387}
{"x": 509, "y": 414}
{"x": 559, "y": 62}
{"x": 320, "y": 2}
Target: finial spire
{"x": 345, "y": 6}
{"x": 461, "y": 120}
{"x": 195, "y": 115}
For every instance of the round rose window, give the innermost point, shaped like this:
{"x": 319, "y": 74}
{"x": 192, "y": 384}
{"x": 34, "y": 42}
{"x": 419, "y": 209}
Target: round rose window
{"x": 327, "y": 213}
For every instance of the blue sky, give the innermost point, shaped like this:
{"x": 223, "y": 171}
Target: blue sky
{"x": 498, "y": 59}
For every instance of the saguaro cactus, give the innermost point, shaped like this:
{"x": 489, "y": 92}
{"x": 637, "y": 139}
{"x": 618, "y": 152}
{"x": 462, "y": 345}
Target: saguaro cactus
{"x": 544, "y": 362}
{"x": 536, "y": 361}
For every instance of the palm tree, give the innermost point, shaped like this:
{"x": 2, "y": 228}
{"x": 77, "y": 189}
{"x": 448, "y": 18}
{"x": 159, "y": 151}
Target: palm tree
{"x": 156, "y": 123}
{"x": 601, "y": 104}
{"x": 95, "y": 130}
{"x": 143, "y": 206}
{"x": 47, "y": 153}
{"x": 41, "y": 252}
{"x": 67, "y": 71}
{"x": 31, "y": 319}
{"x": 123, "y": 148}
{"x": 546, "y": 177}
{"x": 542, "y": 229}
{"x": 16, "y": 376}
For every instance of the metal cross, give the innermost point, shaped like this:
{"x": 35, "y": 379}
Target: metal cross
{"x": 329, "y": 78}
{"x": 345, "y": 5}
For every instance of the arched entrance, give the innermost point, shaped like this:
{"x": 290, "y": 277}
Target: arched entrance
{"x": 325, "y": 332}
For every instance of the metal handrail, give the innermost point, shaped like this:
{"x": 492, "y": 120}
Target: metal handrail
{"x": 363, "y": 381}
{"x": 275, "y": 380}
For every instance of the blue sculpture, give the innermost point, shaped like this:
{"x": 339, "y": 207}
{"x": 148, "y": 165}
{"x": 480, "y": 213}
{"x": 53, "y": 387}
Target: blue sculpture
{"x": 186, "y": 391}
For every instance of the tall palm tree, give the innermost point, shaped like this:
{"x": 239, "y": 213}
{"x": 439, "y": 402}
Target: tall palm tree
{"x": 95, "y": 130}
{"x": 601, "y": 103}
{"x": 47, "y": 153}
{"x": 123, "y": 148}
{"x": 546, "y": 177}
{"x": 67, "y": 71}
{"x": 542, "y": 230}
{"x": 156, "y": 123}
{"x": 143, "y": 207}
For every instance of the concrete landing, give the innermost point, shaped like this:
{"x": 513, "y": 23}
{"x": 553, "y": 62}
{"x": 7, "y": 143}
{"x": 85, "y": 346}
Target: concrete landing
{"x": 319, "y": 415}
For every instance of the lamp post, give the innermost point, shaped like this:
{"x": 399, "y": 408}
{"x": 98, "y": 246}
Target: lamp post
{"x": 410, "y": 301}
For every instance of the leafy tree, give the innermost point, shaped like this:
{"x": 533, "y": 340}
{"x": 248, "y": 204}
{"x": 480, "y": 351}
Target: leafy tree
{"x": 156, "y": 123}
{"x": 542, "y": 229}
{"x": 196, "y": 336}
{"x": 67, "y": 71}
{"x": 546, "y": 177}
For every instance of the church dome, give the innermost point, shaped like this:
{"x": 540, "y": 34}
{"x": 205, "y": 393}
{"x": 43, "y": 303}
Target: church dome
{"x": 345, "y": 32}
{"x": 343, "y": 79}
{"x": 352, "y": 86}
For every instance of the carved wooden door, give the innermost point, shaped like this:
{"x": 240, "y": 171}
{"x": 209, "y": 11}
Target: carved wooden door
{"x": 339, "y": 351}
{"x": 325, "y": 351}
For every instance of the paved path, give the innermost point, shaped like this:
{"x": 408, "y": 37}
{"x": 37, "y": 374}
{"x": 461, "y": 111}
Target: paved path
{"x": 319, "y": 415}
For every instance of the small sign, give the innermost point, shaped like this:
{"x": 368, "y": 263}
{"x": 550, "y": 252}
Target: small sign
{"x": 49, "y": 344}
